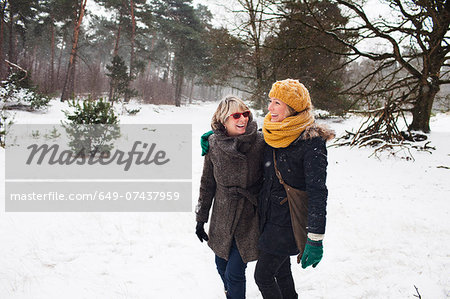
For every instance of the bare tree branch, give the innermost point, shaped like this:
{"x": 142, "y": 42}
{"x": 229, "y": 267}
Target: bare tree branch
{"x": 378, "y": 33}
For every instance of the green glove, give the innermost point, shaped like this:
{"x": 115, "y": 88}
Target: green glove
{"x": 313, "y": 253}
{"x": 204, "y": 142}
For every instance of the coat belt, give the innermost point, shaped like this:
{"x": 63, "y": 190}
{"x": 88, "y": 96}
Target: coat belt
{"x": 235, "y": 194}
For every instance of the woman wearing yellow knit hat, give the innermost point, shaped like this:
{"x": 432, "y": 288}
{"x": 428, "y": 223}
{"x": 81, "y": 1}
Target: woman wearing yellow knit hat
{"x": 292, "y": 202}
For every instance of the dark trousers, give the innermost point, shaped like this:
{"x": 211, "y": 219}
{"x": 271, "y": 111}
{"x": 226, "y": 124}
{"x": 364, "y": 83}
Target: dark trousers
{"x": 232, "y": 273}
{"x": 274, "y": 277}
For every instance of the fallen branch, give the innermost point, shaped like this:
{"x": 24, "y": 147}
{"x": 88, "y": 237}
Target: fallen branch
{"x": 425, "y": 147}
{"x": 444, "y": 167}
{"x": 380, "y": 130}
{"x": 21, "y": 107}
{"x": 20, "y": 68}
{"x": 366, "y": 111}
{"x": 418, "y": 294}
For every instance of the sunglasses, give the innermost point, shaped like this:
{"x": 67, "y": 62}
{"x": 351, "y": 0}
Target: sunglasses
{"x": 237, "y": 115}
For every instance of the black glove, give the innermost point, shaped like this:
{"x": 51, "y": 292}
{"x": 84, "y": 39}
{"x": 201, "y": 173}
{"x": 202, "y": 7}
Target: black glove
{"x": 200, "y": 232}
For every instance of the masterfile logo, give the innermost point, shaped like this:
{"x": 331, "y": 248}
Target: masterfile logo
{"x": 98, "y": 168}
{"x": 52, "y": 155}
{"x": 134, "y": 152}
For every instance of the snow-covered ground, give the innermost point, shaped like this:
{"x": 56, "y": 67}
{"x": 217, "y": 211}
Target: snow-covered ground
{"x": 388, "y": 230}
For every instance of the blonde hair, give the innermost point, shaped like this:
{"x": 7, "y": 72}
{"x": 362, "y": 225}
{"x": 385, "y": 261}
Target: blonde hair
{"x": 227, "y": 106}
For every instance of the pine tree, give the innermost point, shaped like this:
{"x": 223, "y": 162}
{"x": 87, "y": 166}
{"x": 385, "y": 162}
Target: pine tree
{"x": 69, "y": 83}
{"x": 297, "y": 51}
{"x": 120, "y": 80}
{"x": 181, "y": 25}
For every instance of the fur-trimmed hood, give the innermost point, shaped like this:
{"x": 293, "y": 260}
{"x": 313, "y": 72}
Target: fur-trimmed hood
{"x": 318, "y": 130}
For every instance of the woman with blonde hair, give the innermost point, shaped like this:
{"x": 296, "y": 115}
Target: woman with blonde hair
{"x": 230, "y": 183}
{"x": 295, "y": 162}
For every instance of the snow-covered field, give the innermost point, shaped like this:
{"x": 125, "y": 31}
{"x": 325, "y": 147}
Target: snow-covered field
{"x": 388, "y": 230}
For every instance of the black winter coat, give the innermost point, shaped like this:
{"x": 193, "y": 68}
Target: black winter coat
{"x": 303, "y": 166}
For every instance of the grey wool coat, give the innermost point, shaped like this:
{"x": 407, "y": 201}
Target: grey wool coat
{"x": 230, "y": 183}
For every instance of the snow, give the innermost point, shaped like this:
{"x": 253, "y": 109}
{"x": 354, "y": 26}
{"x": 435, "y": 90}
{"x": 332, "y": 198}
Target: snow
{"x": 387, "y": 231}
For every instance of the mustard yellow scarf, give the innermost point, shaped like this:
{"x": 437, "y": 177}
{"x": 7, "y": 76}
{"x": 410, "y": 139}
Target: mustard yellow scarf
{"x": 282, "y": 134}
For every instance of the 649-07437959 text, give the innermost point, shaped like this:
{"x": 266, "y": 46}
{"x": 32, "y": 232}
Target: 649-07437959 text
{"x": 98, "y": 195}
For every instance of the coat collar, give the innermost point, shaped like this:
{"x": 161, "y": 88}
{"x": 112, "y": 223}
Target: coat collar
{"x": 237, "y": 145}
{"x": 316, "y": 130}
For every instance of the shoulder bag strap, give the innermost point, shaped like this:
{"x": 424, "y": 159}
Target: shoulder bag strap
{"x": 278, "y": 173}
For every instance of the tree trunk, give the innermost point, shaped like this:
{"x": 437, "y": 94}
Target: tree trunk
{"x": 2, "y": 28}
{"x": 133, "y": 33}
{"x": 58, "y": 85}
{"x": 168, "y": 64}
{"x": 192, "y": 91}
{"x": 1, "y": 52}
{"x": 52, "y": 59}
{"x": 255, "y": 19}
{"x": 149, "y": 67}
{"x": 115, "y": 53}
{"x": 179, "y": 84}
{"x": 68, "y": 88}
{"x": 218, "y": 92}
{"x": 34, "y": 66}
{"x": 116, "y": 46}
{"x": 111, "y": 91}
{"x": 422, "y": 108}
{"x": 72, "y": 76}
{"x": 12, "y": 50}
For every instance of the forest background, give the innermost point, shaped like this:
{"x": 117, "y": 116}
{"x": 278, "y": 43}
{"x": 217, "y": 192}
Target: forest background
{"x": 352, "y": 55}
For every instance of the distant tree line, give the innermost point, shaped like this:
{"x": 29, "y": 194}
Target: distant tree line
{"x": 160, "y": 50}
{"x": 119, "y": 47}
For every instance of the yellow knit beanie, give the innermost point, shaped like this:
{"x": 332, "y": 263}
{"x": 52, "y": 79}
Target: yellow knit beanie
{"x": 292, "y": 93}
